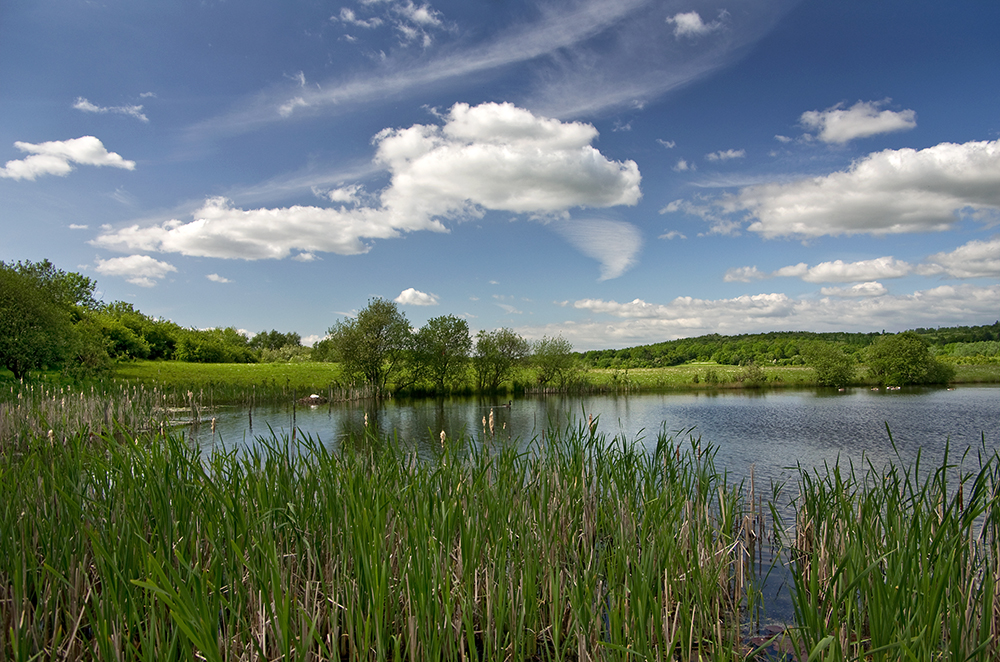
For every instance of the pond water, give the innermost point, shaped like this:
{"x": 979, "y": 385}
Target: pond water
{"x": 770, "y": 430}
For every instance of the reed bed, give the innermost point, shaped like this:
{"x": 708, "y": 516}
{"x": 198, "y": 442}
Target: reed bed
{"x": 896, "y": 563}
{"x": 136, "y": 547}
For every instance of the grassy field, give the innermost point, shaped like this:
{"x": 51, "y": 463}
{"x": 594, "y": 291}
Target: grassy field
{"x": 234, "y": 380}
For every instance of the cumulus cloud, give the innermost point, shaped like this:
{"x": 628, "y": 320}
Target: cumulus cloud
{"x": 869, "y": 289}
{"x": 640, "y": 322}
{"x": 130, "y": 110}
{"x": 139, "y": 270}
{"x": 690, "y": 24}
{"x": 615, "y": 244}
{"x": 413, "y": 297}
{"x": 683, "y": 166}
{"x": 889, "y": 192}
{"x": 976, "y": 259}
{"x": 216, "y": 278}
{"x": 839, "y": 125}
{"x": 488, "y": 157}
{"x": 58, "y": 156}
{"x": 726, "y": 155}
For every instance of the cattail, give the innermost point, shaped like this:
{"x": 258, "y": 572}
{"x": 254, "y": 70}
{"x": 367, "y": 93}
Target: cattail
{"x": 491, "y": 421}
{"x": 442, "y": 437}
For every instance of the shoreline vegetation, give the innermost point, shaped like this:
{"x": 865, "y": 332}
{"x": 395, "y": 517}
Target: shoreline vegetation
{"x": 121, "y": 541}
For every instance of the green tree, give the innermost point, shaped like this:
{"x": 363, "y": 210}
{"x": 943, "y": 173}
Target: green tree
{"x": 833, "y": 366}
{"x": 275, "y": 340}
{"x": 497, "y": 354}
{"x": 553, "y": 359}
{"x": 442, "y": 348}
{"x": 905, "y": 358}
{"x": 36, "y": 324}
{"x": 373, "y": 345}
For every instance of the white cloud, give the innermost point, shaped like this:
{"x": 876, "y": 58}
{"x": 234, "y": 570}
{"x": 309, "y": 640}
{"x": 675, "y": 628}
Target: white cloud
{"x": 743, "y": 275}
{"x": 58, "y": 156}
{"x": 683, "y": 166}
{"x": 869, "y": 289}
{"x": 75, "y": 226}
{"x": 888, "y": 192}
{"x": 689, "y": 24}
{"x": 130, "y": 110}
{"x": 349, "y": 17}
{"x": 854, "y": 272}
{"x": 412, "y": 297}
{"x": 139, "y": 270}
{"x": 976, "y": 259}
{"x": 672, "y": 234}
{"x": 726, "y": 155}
{"x": 216, "y": 278}
{"x": 667, "y": 144}
{"x": 615, "y": 244}
{"x": 509, "y": 309}
{"x": 837, "y": 125}
{"x": 594, "y": 55}
{"x": 489, "y": 157}
{"x": 639, "y": 322}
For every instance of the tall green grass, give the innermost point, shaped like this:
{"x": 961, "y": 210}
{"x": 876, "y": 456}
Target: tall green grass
{"x": 136, "y": 547}
{"x": 124, "y": 542}
{"x": 895, "y": 564}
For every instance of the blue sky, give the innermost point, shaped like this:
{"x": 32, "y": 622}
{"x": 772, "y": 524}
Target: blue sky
{"x": 618, "y": 173}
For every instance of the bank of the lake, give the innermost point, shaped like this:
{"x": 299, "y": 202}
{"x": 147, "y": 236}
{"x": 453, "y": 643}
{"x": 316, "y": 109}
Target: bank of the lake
{"x": 240, "y": 382}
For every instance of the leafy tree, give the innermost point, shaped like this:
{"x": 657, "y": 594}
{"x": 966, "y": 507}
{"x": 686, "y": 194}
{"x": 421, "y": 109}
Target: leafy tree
{"x": 36, "y": 324}
{"x": 275, "y": 340}
{"x": 442, "y": 348}
{"x": 904, "y": 358}
{"x": 373, "y": 345}
{"x": 497, "y": 354}
{"x": 553, "y": 359}
{"x": 226, "y": 345}
{"x": 833, "y": 366}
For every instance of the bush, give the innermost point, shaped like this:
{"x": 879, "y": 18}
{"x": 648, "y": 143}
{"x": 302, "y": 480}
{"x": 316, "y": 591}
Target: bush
{"x": 904, "y": 358}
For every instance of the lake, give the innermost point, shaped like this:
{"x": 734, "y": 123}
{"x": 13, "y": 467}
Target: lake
{"x": 769, "y": 429}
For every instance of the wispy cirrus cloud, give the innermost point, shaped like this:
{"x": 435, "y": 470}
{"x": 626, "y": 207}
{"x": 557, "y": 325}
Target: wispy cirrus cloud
{"x": 131, "y": 110}
{"x": 585, "y": 56}
{"x": 58, "y": 157}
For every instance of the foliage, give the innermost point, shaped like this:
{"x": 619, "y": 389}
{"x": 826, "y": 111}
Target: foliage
{"x": 904, "y": 358}
{"x": 214, "y": 346}
{"x": 372, "y": 345}
{"x": 275, "y": 340}
{"x": 36, "y": 317}
{"x": 442, "y": 348}
{"x": 833, "y": 365}
{"x": 553, "y": 360}
{"x": 496, "y": 356}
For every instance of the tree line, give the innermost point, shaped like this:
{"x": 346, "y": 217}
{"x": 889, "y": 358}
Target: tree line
{"x": 50, "y": 319}
{"x": 786, "y": 347}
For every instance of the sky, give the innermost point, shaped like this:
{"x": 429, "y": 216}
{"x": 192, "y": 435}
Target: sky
{"x": 615, "y": 173}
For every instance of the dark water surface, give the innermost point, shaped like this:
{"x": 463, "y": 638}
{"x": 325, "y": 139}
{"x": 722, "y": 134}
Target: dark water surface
{"x": 770, "y": 430}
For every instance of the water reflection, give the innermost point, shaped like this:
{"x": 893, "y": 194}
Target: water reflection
{"x": 770, "y": 430}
